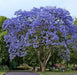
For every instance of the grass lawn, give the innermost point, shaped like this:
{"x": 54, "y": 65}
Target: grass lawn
{"x": 1, "y": 73}
{"x": 58, "y": 73}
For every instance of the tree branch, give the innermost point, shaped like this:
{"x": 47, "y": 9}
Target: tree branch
{"x": 47, "y": 58}
{"x": 38, "y": 54}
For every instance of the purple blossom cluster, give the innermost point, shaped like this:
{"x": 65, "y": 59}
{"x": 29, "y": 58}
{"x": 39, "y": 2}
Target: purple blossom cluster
{"x": 44, "y": 26}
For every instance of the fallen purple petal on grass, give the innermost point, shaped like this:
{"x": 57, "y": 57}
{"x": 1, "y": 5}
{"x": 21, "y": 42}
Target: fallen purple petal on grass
{"x": 21, "y": 73}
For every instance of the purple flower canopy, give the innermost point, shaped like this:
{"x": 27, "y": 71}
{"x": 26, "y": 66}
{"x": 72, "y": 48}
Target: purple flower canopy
{"x": 44, "y": 26}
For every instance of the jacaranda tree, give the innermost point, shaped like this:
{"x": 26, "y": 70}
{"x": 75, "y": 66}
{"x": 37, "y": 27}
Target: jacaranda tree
{"x": 43, "y": 29}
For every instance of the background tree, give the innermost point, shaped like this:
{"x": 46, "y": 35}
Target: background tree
{"x": 43, "y": 29}
{"x": 4, "y": 55}
{"x": 75, "y": 21}
{"x": 2, "y": 19}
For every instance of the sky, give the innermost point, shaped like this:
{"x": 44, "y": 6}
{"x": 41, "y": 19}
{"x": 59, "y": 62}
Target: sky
{"x": 8, "y": 7}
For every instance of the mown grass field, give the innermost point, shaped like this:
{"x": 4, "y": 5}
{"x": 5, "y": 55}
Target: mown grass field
{"x": 58, "y": 73}
{"x": 1, "y": 73}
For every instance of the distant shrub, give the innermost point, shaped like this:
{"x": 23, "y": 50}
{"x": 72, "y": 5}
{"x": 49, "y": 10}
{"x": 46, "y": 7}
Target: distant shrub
{"x": 4, "y": 68}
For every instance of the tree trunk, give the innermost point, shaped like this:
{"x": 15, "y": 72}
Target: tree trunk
{"x": 45, "y": 61}
{"x": 42, "y": 67}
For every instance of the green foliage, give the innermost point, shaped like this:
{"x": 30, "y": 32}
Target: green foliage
{"x": 2, "y": 19}
{"x": 54, "y": 59}
{"x": 75, "y": 22}
{"x": 18, "y": 60}
{"x": 12, "y": 65}
{"x": 25, "y": 66}
{"x": 4, "y": 55}
{"x": 4, "y": 68}
{"x": 73, "y": 57}
{"x": 31, "y": 57}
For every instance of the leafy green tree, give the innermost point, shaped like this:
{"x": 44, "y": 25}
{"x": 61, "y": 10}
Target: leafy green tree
{"x": 75, "y": 21}
{"x": 4, "y": 55}
{"x": 2, "y": 19}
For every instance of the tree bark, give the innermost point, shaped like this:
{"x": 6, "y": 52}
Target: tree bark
{"x": 48, "y": 58}
{"x": 44, "y": 62}
{"x": 43, "y": 68}
{"x": 42, "y": 65}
